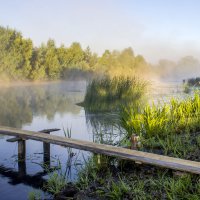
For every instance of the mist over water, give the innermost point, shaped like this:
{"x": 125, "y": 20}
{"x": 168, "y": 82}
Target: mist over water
{"x": 38, "y": 107}
{"x": 20, "y": 105}
{"x": 50, "y": 52}
{"x": 51, "y": 105}
{"x": 187, "y": 67}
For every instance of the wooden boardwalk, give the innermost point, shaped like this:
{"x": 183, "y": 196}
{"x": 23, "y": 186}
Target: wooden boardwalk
{"x": 137, "y": 156}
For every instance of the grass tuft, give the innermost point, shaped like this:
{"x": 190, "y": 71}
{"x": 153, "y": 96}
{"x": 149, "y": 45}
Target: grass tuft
{"x": 109, "y": 94}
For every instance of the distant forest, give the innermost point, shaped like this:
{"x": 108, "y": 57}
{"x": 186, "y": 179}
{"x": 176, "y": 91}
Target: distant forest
{"x": 20, "y": 60}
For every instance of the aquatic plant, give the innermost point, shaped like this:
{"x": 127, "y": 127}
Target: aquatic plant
{"x": 34, "y": 195}
{"x": 55, "y": 183}
{"x": 130, "y": 181}
{"x": 171, "y": 118}
{"x": 170, "y": 128}
{"x": 108, "y": 94}
{"x": 67, "y": 133}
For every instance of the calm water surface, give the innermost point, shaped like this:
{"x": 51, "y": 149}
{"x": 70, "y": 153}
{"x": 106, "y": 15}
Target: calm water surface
{"x": 36, "y": 108}
{"x": 39, "y": 107}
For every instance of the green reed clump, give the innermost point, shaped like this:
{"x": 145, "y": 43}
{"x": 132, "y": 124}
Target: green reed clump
{"x": 175, "y": 117}
{"x": 34, "y": 195}
{"x": 108, "y": 94}
{"x": 170, "y": 128}
{"x": 55, "y": 183}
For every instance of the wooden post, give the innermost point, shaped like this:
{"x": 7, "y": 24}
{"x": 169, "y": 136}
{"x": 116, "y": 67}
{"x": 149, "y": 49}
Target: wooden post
{"x": 46, "y": 153}
{"x": 22, "y": 157}
{"x": 135, "y": 143}
{"x": 46, "y": 148}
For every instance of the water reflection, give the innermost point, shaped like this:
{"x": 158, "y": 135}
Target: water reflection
{"x": 24, "y": 165}
{"x": 29, "y": 171}
{"x": 21, "y": 176}
{"x": 18, "y": 105}
{"x": 17, "y": 177}
{"x": 105, "y": 127}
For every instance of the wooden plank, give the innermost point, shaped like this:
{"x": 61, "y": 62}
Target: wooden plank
{"x": 138, "y": 156}
{"x": 15, "y": 139}
{"x": 49, "y": 130}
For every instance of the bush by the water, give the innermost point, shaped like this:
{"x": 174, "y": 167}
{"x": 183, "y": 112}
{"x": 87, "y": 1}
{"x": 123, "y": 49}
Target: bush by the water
{"x": 193, "y": 82}
{"x": 109, "y": 94}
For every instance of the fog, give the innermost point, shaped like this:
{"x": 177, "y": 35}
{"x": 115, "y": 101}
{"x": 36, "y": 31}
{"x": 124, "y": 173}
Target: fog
{"x": 185, "y": 68}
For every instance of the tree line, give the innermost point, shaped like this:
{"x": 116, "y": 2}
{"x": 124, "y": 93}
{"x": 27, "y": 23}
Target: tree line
{"x": 21, "y": 60}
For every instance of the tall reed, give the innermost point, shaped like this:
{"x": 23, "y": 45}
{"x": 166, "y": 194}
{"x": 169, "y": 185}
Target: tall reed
{"x": 170, "y": 129}
{"x": 175, "y": 117}
{"x": 108, "y": 94}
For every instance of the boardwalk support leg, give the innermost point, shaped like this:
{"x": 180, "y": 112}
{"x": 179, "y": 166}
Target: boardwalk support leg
{"x": 22, "y": 157}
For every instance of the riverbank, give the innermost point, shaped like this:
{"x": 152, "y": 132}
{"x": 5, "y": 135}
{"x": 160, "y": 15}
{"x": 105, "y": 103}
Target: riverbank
{"x": 171, "y": 129}
{"x": 116, "y": 179}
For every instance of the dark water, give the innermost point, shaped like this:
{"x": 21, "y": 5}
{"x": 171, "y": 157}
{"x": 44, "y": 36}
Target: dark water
{"x": 39, "y": 107}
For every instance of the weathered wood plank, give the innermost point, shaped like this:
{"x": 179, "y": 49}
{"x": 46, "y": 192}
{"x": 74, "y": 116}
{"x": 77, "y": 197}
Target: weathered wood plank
{"x": 138, "y": 156}
{"x": 15, "y": 139}
{"x": 50, "y": 130}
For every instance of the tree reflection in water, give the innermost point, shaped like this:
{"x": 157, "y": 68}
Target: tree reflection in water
{"x": 19, "y": 105}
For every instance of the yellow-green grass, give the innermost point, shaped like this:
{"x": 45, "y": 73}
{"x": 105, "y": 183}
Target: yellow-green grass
{"x": 171, "y": 128}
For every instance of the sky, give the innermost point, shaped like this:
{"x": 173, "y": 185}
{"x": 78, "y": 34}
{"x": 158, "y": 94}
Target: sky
{"x": 157, "y": 29}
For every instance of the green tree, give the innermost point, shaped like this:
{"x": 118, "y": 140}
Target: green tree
{"x": 15, "y": 54}
{"x": 51, "y": 62}
{"x": 127, "y": 58}
{"x": 37, "y": 62}
{"x": 75, "y": 55}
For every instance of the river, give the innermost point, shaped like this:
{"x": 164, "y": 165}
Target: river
{"x": 45, "y": 106}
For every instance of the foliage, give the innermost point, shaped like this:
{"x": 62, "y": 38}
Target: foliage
{"x": 15, "y": 54}
{"x": 20, "y": 60}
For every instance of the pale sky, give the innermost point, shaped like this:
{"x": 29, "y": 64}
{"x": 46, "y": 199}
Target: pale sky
{"x": 154, "y": 28}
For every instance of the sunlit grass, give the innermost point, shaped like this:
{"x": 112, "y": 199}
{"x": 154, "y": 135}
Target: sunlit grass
{"x": 170, "y": 128}
{"x": 129, "y": 181}
{"x": 175, "y": 117}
